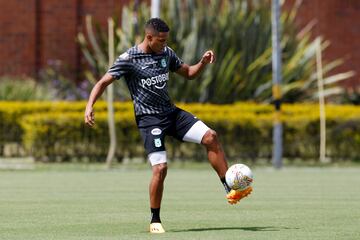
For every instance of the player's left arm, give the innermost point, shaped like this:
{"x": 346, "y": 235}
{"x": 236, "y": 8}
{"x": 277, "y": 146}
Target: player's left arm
{"x": 192, "y": 71}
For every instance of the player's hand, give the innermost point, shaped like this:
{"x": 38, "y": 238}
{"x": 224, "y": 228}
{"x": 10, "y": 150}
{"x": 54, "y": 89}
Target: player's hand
{"x": 208, "y": 57}
{"x": 89, "y": 116}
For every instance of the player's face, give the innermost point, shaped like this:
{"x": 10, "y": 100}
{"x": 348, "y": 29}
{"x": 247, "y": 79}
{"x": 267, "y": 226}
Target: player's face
{"x": 157, "y": 42}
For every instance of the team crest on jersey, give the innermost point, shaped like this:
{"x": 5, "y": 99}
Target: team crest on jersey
{"x": 157, "y": 142}
{"x": 163, "y": 62}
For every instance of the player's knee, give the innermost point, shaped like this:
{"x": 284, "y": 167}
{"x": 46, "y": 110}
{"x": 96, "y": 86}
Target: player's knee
{"x": 160, "y": 170}
{"x": 210, "y": 138}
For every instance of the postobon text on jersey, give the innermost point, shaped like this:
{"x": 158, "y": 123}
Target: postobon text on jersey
{"x": 162, "y": 78}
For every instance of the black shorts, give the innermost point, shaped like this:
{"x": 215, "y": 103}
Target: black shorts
{"x": 153, "y": 128}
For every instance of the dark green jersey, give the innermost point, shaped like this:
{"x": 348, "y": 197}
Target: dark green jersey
{"x": 147, "y": 76}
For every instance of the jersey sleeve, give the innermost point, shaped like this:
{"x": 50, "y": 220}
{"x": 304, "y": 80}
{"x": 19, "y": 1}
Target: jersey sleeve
{"x": 175, "y": 62}
{"x": 121, "y": 67}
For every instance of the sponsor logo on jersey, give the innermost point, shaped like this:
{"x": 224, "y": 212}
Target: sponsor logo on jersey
{"x": 159, "y": 81}
{"x": 148, "y": 64}
{"x": 156, "y": 131}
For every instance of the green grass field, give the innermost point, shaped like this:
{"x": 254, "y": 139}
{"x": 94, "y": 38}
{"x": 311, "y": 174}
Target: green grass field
{"x": 293, "y": 203}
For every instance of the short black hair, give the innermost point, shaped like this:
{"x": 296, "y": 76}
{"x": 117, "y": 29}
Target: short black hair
{"x": 157, "y": 24}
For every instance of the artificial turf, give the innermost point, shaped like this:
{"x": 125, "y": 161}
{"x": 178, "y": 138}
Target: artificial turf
{"x": 292, "y": 203}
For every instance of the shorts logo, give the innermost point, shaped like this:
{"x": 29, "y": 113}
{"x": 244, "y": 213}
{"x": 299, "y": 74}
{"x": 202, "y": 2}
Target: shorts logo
{"x": 156, "y": 131}
{"x": 163, "y": 62}
{"x": 157, "y": 142}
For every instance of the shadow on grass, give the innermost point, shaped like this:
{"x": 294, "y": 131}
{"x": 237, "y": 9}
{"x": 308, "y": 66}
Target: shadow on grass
{"x": 254, "y": 229}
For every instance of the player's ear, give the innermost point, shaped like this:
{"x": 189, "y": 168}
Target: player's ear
{"x": 149, "y": 37}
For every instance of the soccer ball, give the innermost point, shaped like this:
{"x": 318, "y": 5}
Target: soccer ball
{"x": 239, "y": 176}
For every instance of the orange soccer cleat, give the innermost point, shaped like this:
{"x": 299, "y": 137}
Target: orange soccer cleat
{"x": 234, "y": 196}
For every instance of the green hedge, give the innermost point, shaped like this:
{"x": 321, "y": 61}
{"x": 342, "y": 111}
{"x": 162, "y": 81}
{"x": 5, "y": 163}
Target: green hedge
{"x": 11, "y": 114}
{"x": 64, "y": 136}
{"x": 245, "y": 130}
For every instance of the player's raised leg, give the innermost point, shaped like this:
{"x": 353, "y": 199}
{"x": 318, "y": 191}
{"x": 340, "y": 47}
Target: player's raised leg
{"x": 202, "y": 134}
{"x": 216, "y": 157}
{"x": 215, "y": 152}
{"x": 156, "y": 188}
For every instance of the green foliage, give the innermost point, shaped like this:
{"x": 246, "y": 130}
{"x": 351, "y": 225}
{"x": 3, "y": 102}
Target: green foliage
{"x": 50, "y": 85}
{"x": 22, "y": 89}
{"x": 65, "y": 136}
{"x": 351, "y": 96}
{"x": 94, "y": 44}
{"x": 11, "y": 114}
{"x": 240, "y": 34}
{"x": 53, "y": 78}
{"x": 57, "y": 131}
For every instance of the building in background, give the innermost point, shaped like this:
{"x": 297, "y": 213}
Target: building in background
{"x": 337, "y": 21}
{"x": 36, "y": 32}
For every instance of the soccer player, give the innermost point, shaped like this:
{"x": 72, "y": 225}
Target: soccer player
{"x": 145, "y": 68}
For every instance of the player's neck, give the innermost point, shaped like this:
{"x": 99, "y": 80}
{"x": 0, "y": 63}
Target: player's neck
{"x": 144, "y": 47}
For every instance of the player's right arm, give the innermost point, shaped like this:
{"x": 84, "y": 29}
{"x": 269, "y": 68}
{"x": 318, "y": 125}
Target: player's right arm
{"x": 96, "y": 92}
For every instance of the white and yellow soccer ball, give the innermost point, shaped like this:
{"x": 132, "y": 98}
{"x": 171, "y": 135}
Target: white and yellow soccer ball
{"x": 239, "y": 177}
